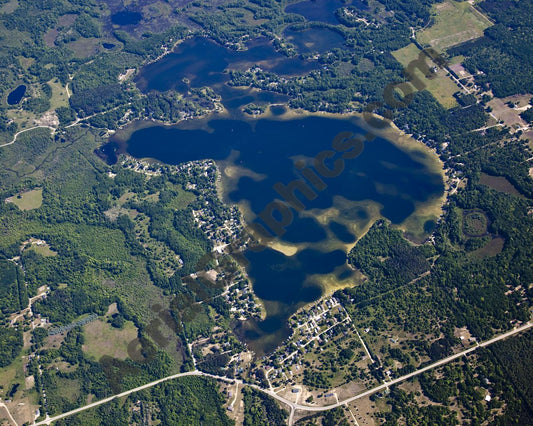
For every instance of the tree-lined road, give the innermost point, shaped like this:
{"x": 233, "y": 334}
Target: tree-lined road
{"x": 53, "y": 129}
{"x": 295, "y": 406}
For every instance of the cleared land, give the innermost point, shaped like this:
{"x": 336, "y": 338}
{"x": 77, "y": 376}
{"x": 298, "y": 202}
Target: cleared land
{"x": 509, "y": 115}
{"x": 103, "y": 339}
{"x": 438, "y": 83}
{"x": 59, "y": 95}
{"x": 491, "y": 249}
{"x": 41, "y": 247}
{"x": 84, "y": 47}
{"x": 499, "y": 183}
{"x": 455, "y": 22}
{"x": 28, "y": 200}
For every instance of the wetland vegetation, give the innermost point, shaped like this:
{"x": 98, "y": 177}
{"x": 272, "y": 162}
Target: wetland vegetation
{"x": 262, "y": 153}
{"x": 130, "y": 234}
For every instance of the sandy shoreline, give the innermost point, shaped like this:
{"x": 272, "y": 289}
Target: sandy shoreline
{"x": 229, "y": 173}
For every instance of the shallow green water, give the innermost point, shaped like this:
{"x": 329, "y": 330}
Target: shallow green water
{"x": 382, "y": 174}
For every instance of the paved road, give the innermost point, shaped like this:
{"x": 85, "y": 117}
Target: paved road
{"x": 294, "y": 406}
{"x": 419, "y": 371}
{"x": 103, "y": 401}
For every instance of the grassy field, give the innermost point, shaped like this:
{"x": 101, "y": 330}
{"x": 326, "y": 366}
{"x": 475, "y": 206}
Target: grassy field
{"x": 491, "y": 249}
{"x": 84, "y": 47}
{"x": 26, "y": 119}
{"x": 103, "y": 339}
{"x": 59, "y": 95}
{"x": 11, "y": 374}
{"x": 499, "y": 183}
{"x": 455, "y": 22}
{"x": 44, "y": 250}
{"x": 439, "y": 85}
{"x": 183, "y": 199}
{"x": 29, "y": 200}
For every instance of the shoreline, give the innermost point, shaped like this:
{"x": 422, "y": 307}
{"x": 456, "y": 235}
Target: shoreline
{"x": 228, "y": 173}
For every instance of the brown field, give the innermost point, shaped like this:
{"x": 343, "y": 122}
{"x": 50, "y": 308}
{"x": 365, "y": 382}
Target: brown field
{"x": 491, "y": 249}
{"x": 509, "y": 116}
{"x": 9, "y": 7}
{"x": 50, "y": 37}
{"x": 499, "y": 183}
{"x": 84, "y": 47}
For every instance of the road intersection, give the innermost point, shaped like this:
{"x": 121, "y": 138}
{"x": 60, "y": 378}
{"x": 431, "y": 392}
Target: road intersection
{"x": 294, "y": 405}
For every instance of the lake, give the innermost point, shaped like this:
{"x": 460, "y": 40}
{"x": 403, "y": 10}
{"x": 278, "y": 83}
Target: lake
{"x": 310, "y": 257}
{"x": 322, "y": 10}
{"x": 314, "y": 40}
{"x": 16, "y": 95}
{"x": 126, "y": 17}
{"x": 198, "y": 62}
{"x": 255, "y": 154}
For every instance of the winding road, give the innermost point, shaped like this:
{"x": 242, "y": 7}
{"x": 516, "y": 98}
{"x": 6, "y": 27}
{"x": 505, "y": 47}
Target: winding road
{"x": 9, "y": 416}
{"x": 53, "y": 129}
{"x": 295, "y": 406}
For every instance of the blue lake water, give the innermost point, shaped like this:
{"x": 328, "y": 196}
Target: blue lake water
{"x": 322, "y": 10}
{"x": 384, "y": 181}
{"x": 314, "y": 40}
{"x": 198, "y": 62}
{"x": 269, "y": 148}
{"x": 126, "y": 17}
{"x": 16, "y": 95}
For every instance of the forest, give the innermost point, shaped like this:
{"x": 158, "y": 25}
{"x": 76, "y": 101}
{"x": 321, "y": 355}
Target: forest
{"x": 186, "y": 401}
{"x": 95, "y": 260}
{"x": 504, "y": 54}
{"x": 461, "y": 387}
{"x": 114, "y": 236}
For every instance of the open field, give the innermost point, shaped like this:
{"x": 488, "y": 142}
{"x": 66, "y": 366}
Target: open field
{"x": 491, "y": 249}
{"x": 438, "y": 84}
{"x": 28, "y": 200}
{"x": 503, "y": 112}
{"x": 26, "y": 119}
{"x": 43, "y": 249}
{"x": 103, "y": 339}
{"x": 84, "y": 47}
{"x": 9, "y": 7}
{"x": 455, "y": 22}
{"x": 10, "y": 375}
{"x": 59, "y": 95}
{"x": 499, "y": 183}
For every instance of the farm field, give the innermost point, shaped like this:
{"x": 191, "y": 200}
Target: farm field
{"x": 455, "y": 22}
{"x": 439, "y": 85}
